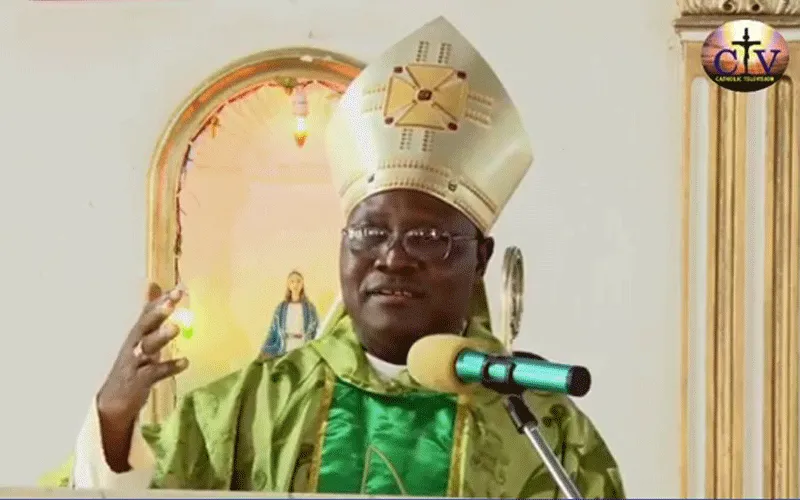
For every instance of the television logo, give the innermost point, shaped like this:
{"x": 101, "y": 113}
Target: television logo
{"x": 745, "y": 56}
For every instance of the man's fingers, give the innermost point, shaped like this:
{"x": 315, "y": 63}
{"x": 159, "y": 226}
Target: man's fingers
{"x": 159, "y": 371}
{"x": 154, "y": 314}
{"x": 155, "y": 296}
{"x": 153, "y": 342}
{"x": 145, "y": 359}
{"x": 153, "y": 292}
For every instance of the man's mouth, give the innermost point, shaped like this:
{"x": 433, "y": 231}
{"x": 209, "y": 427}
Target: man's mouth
{"x": 395, "y": 292}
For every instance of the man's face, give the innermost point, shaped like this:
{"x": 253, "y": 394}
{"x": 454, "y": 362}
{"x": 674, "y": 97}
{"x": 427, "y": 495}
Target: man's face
{"x": 398, "y": 288}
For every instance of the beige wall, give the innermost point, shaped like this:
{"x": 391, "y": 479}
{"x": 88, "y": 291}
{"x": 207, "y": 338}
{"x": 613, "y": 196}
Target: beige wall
{"x": 88, "y": 87}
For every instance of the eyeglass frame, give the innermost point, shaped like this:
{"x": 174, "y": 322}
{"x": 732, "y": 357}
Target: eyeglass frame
{"x": 392, "y": 241}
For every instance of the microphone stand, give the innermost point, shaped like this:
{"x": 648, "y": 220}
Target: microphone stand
{"x": 526, "y": 423}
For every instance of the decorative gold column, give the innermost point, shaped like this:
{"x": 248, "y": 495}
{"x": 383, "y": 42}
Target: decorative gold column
{"x": 725, "y": 297}
{"x": 726, "y": 362}
{"x": 725, "y": 285}
{"x": 781, "y": 466}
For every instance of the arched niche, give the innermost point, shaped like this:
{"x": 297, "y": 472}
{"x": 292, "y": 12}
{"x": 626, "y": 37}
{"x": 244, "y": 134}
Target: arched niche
{"x": 193, "y": 116}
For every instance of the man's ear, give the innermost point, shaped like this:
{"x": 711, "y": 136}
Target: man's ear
{"x": 485, "y": 251}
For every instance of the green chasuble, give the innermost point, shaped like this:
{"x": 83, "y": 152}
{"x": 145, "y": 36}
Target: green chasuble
{"x": 320, "y": 419}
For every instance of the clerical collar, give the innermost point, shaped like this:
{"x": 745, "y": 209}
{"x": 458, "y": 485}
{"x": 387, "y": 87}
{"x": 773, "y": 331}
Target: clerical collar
{"x": 388, "y": 370}
{"x": 385, "y": 369}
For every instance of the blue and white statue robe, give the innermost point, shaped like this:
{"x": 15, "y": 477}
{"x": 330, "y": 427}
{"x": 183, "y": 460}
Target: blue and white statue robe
{"x": 278, "y": 340}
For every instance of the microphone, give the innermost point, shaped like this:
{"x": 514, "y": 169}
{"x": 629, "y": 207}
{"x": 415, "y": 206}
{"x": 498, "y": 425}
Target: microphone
{"x": 450, "y": 363}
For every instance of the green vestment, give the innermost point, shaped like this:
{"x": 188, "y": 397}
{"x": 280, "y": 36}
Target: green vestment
{"x": 320, "y": 419}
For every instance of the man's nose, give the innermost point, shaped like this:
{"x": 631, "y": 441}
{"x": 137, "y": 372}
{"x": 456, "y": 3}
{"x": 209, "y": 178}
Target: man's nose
{"x": 395, "y": 257}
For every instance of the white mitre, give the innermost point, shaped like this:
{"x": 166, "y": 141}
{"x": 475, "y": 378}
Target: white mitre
{"x": 430, "y": 115}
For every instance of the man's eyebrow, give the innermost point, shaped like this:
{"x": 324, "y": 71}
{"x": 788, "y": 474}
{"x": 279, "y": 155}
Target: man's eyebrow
{"x": 364, "y": 219}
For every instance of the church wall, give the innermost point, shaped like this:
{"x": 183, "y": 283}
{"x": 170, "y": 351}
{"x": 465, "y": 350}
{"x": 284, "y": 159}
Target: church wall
{"x": 89, "y": 86}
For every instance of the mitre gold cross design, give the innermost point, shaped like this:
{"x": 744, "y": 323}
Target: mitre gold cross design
{"x": 434, "y": 97}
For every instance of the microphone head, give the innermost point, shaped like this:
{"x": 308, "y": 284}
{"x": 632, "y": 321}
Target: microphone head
{"x": 579, "y": 381}
{"x": 432, "y": 362}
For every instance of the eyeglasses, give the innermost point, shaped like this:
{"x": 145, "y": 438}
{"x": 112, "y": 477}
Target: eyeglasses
{"x": 428, "y": 245}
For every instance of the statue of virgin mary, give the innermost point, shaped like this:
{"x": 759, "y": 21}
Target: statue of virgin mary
{"x": 294, "y": 322}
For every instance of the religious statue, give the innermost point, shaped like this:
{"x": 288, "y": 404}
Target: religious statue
{"x": 294, "y": 321}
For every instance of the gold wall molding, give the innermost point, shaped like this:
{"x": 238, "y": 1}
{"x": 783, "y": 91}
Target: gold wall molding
{"x": 712, "y": 13}
{"x": 169, "y": 156}
{"x": 724, "y": 329}
{"x": 690, "y": 73}
{"x": 741, "y": 7}
{"x": 726, "y": 361}
{"x": 725, "y": 295}
{"x": 782, "y": 279}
